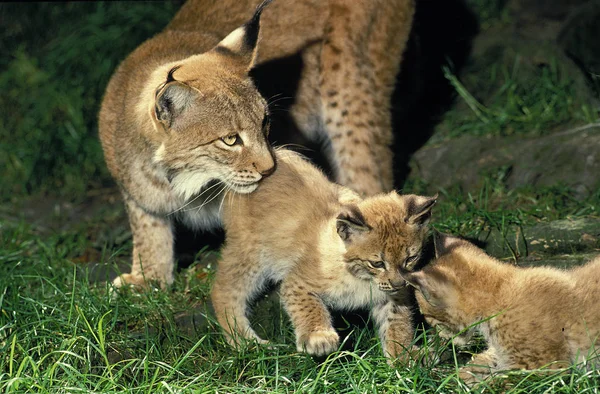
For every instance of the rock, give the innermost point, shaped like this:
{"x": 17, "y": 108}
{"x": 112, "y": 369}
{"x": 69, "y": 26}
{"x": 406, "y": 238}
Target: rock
{"x": 562, "y": 242}
{"x": 579, "y": 38}
{"x": 571, "y": 158}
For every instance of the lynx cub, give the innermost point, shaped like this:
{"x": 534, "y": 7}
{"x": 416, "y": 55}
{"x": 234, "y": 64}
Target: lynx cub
{"x": 327, "y": 248}
{"x": 538, "y": 316}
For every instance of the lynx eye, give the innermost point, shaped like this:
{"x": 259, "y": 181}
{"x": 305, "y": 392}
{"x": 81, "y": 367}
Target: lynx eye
{"x": 411, "y": 259}
{"x": 231, "y": 140}
{"x": 377, "y": 264}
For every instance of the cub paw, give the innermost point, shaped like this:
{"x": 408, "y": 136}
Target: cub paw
{"x": 242, "y": 340}
{"x": 139, "y": 282}
{"x": 399, "y": 356}
{"x": 129, "y": 280}
{"x": 472, "y": 376}
{"x": 319, "y": 342}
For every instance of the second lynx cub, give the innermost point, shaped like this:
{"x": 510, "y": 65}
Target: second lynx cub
{"x": 327, "y": 248}
{"x": 530, "y": 317}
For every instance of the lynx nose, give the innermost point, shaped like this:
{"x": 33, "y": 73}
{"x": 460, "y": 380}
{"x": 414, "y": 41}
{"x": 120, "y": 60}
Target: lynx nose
{"x": 267, "y": 167}
{"x": 397, "y": 283}
{"x": 268, "y": 171}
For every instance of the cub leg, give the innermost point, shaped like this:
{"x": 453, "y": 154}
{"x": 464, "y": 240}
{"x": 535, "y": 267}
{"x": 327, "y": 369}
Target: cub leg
{"x": 232, "y": 289}
{"x": 396, "y": 330}
{"x": 480, "y": 367}
{"x": 315, "y": 334}
{"x": 360, "y": 58}
{"x": 152, "y": 248}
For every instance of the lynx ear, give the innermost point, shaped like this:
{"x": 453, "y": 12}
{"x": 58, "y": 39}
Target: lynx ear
{"x": 351, "y": 223}
{"x": 418, "y": 280}
{"x": 171, "y": 99}
{"x": 444, "y": 243}
{"x": 242, "y": 42}
{"x": 418, "y": 209}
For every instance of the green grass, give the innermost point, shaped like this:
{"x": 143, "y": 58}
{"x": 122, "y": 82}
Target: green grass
{"x": 60, "y": 328}
{"x": 519, "y": 100}
{"x": 61, "y": 331}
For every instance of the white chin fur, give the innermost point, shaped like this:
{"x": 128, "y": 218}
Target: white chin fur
{"x": 244, "y": 189}
{"x": 189, "y": 183}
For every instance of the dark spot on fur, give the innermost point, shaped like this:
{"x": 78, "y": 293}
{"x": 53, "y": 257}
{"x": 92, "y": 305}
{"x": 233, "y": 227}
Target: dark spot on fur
{"x": 335, "y": 49}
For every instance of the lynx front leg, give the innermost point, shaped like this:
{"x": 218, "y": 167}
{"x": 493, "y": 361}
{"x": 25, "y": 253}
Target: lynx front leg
{"x": 312, "y": 322}
{"x": 152, "y": 248}
{"x": 396, "y": 330}
{"x": 232, "y": 289}
{"x": 360, "y": 58}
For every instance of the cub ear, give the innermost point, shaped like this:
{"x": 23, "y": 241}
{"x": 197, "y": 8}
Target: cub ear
{"x": 242, "y": 42}
{"x": 420, "y": 281}
{"x": 444, "y": 243}
{"x": 351, "y": 223}
{"x": 417, "y": 280}
{"x": 418, "y": 209}
{"x": 171, "y": 100}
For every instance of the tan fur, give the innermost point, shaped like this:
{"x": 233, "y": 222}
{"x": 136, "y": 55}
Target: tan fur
{"x": 316, "y": 238}
{"x": 164, "y": 123}
{"x": 530, "y": 317}
{"x": 351, "y": 50}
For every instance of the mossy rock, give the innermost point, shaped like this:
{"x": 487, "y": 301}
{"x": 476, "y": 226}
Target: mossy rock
{"x": 570, "y": 158}
{"x": 580, "y": 40}
{"x": 560, "y": 242}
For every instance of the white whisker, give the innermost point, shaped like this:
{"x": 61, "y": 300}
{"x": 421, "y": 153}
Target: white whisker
{"x": 212, "y": 198}
{"x": 195, "y": 198}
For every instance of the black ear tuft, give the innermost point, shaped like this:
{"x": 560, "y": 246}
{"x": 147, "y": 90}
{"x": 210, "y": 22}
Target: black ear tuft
{"x": 419, "y": 209}
{"x": 252, "y": 27}
{"x": 351, "y": 222}
{"x": 445, "y": 243}
{"x": 170, "y": 77}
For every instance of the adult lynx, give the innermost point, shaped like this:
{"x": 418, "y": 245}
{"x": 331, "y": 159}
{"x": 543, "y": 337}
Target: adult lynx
{"x": 181, "y": 116}
{"x": 177, "y": 126}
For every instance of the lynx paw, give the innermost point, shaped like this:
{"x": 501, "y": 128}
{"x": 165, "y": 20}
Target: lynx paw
{"x": 400, "y": 356}
{"x": 129, "y": 280}
{"x": 473, "y": 375}
{"x": 140, "y": 282}
{"x": 319, "y": 342}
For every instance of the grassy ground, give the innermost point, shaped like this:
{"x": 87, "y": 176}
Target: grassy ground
{"x": 60, "y": 329}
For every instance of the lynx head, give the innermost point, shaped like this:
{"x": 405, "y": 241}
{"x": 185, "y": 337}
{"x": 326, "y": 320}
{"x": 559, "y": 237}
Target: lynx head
{"x": 449, "y": 288}
{"x": 384, "y": 234}
{"x": 210, "y": 120}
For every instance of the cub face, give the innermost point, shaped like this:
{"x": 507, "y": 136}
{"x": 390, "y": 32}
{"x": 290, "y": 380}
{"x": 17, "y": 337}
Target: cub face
{"x": 440, "y": 291}
{"x": 383, "y": 235}
{"x": 210, "y": 122}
